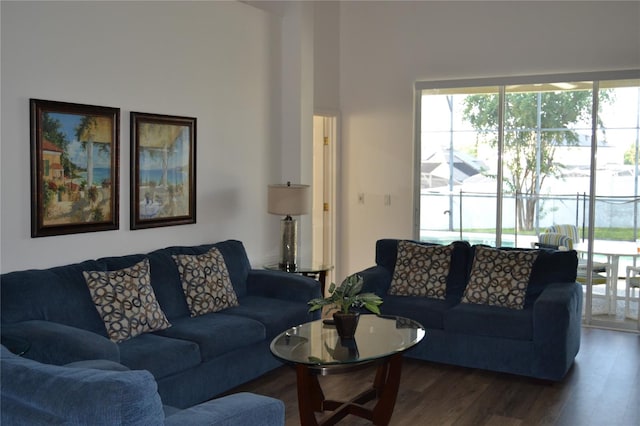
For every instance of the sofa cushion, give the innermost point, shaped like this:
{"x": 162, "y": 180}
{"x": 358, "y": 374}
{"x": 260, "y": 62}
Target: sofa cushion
{"x": 43, "y": 394}
{"x": 98, "y": 364}
{"x": 235, "y": 257}
{"x": 499, "y": 277}
{"x": 428, "y": 312}
{"x": 205, "y": 281}
{"x": 490, "y": 321}
{"x": 421, "y": 270}
{"x": 240, "y": 408}
{"x": 387, "y": 253}
{"x": 125, "y": 301}
{"x": 165, "y": 278}
{"x": 161, "y": 355}
{"x": 217, "y": 333}
{"x": 262, "y": 309}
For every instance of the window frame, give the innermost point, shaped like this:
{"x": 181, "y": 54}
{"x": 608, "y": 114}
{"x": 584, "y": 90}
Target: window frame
{"x": 502, "y": 83}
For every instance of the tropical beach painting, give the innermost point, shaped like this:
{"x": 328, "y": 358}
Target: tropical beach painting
{"x": 163, "y": 170}
{"x": 74, "y": 168}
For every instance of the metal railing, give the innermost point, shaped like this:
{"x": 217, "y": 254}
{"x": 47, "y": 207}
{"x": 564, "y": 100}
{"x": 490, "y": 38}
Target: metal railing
{"x": 475, "y": 213}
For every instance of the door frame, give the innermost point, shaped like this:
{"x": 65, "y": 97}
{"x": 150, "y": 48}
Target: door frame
{"x": 325, "y": 176}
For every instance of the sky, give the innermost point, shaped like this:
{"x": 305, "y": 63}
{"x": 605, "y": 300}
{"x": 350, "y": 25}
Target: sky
{"x": 77, "y": 154}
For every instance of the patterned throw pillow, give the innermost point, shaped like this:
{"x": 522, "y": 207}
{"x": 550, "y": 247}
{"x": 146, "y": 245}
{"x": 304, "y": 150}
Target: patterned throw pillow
{"x": 499, "y": 277}
{"x": 206, "y": 282}
{"x": 421, "y": 270}
{"x": 125, "y": 301}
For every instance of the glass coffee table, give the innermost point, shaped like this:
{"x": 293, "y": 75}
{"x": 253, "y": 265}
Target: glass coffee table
{"x": 315, "y": 349}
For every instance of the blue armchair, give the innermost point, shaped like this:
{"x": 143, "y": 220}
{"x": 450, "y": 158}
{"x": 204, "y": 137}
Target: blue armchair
{"x": 102, "y": 392}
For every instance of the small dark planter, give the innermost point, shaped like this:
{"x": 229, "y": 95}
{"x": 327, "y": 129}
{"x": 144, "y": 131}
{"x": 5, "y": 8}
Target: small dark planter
{"x": 346, "y": 324}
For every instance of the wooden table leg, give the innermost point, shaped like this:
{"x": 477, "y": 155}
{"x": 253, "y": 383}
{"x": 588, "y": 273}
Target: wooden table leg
{"x": 385, "y": 388}
{"x": 310, "y": 396}
{"x": 387, "y": 383}
{"x": 322, "y": 277}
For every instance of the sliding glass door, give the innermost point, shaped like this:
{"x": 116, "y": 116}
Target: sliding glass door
{"x": 502, "y": 163}
{"x": 457, "y": 169}
{"x": 615, "y": 203}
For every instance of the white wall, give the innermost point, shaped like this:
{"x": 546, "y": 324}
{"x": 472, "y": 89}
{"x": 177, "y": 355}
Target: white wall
{"x": 221, "y": 62}
{"x": 217, "y": 61}
{"x": 385, "y": 47}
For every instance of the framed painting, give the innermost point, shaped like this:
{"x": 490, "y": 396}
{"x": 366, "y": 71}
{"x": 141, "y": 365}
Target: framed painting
{"x": 163, "y": 170}
{"x": 74, "y": 168}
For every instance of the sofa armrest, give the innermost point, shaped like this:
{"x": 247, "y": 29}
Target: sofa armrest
{"x": 40, "y": 394}
{"x": 237, "y": 409}
{"x": 282, "y": 285}
{"x": 59, "y": 344}
{"x": 557, "y": 320}
{"x": 377, "y": 279}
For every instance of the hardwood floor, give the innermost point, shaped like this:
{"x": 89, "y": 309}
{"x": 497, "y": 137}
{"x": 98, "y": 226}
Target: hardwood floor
{"x": 601, "y": 389}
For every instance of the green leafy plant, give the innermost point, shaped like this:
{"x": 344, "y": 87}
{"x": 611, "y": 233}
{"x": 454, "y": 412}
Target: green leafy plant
{"x": 346, "y": 296}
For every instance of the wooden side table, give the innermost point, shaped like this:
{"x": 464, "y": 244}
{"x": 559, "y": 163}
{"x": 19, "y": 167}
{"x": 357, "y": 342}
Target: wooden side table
{"x": 315, "y": 271}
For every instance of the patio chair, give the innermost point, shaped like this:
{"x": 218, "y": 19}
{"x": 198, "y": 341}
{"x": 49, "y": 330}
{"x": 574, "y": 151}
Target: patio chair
{"x": 554, "y": 240}
{"x": 632, "y": 283}
{"x": 560, "y": 237}
{"x": 571, "y": 231}
{"x": 599, "y": 275}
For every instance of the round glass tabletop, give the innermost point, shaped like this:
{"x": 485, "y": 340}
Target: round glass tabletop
{"x": 318, "y": 344}
{"x": 301, "y": 269}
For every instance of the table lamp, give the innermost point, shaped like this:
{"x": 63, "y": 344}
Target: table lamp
{"x": 288, "y": 200}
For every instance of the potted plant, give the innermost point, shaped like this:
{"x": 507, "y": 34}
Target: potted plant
{"x": 342, "y": 300}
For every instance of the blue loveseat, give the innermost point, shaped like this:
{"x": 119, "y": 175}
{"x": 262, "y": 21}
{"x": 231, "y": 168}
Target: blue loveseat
{"x": 105, "y": 393}
{"x": 541, "y": 340}
{"x": 192, "y": 361}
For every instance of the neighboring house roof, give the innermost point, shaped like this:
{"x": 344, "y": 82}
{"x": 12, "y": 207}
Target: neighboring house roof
{"x": 435, "y": 168}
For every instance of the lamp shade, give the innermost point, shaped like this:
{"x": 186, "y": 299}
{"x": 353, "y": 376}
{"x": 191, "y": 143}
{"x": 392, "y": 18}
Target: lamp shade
{"x": 288, "y": 199}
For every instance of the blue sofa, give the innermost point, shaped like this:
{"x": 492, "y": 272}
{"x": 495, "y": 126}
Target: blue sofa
{"x": 541, "y": 340}
{"x": 192, "y": 361}
{"x": 104, "y": 393}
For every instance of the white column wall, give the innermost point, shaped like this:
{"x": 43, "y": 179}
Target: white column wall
{"x": 297, "y": 108}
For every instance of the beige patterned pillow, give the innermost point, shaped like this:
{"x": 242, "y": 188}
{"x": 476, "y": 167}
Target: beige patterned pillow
{"x": 206, "y": 282}
{"x": 125, "y": 301}
{"x": 421, "y": 270}
{"x": 499, "y": 277}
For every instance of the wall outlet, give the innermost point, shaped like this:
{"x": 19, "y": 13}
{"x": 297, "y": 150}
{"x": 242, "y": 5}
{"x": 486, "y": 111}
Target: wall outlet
{"x": 361, "y": 198}
{"x": 387, "y": 199}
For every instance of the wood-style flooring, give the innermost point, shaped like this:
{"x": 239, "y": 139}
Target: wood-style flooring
{"x": 601, "y": 389}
